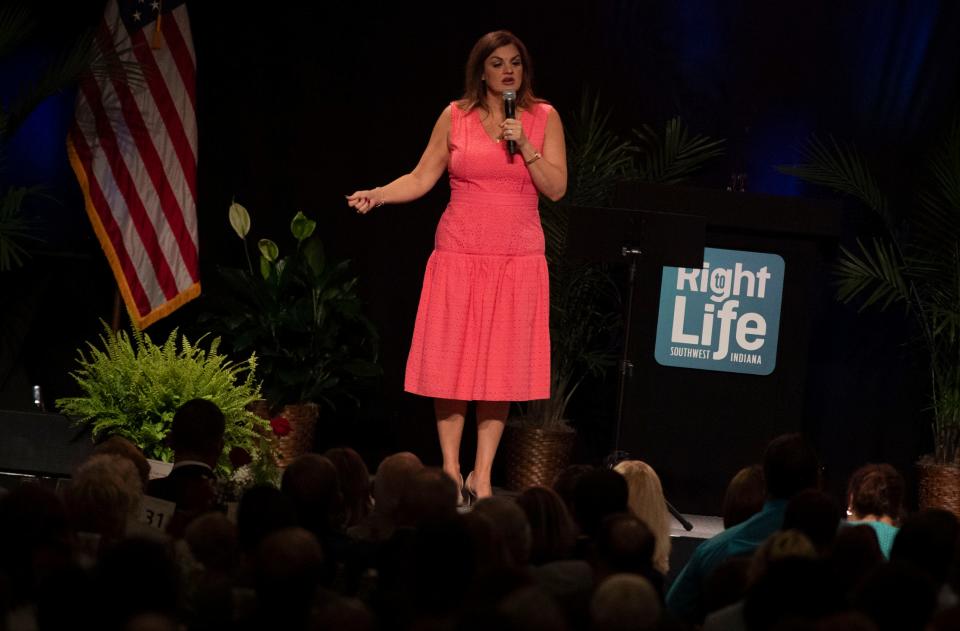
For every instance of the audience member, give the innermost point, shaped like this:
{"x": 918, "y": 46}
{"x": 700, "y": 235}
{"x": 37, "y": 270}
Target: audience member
{"x": 599, "y": 492}
{"x": 552, "y": 531}
{"x": 354, "y": 480}
{"x": 789, "y": 466}
{"x": 393, "y": 475}
{"x": 511, "y": 522}
{"x": 815, "y": 514}
{"x": 625, "y": 602}
{"x": 262, "y": 511}
{"x": 897, "y": 596}
{"x": 104, "y": 496}
{"x": 855, "y": 553}
{"x": 119, "y": 446}
{"x": 745, "y": 496}
{"x": 566, "y": 482}
{"x": 875, "y": 498}
{"x": 928, "y": 541}
{"x": 196, "y": 436}
{"x": 311, "y": 483}
{"x": 645, "y": 500}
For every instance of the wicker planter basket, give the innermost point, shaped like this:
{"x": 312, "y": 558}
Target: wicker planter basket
{"x": 534, "y": 457}
{"x": 939, "y": 486}
{"x": 303, "y": 422}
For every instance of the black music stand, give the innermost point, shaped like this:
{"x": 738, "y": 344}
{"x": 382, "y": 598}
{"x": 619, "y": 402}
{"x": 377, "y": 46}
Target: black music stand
{"x": 658, "y": 239}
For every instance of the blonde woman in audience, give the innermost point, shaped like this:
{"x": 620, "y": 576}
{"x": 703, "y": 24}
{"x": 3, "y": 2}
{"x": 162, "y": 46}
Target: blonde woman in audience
{"x": 104, "y": 496}
{"x": 647, "y": 502}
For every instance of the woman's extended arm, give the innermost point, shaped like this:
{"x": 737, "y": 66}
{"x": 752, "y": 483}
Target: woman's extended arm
{"x": 418, "y": 182}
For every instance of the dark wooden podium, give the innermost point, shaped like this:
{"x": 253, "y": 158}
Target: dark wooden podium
{"x": 698, "y": 427}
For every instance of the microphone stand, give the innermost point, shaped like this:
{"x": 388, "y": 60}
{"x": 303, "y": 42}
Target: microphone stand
{"x": 626, "y": 370}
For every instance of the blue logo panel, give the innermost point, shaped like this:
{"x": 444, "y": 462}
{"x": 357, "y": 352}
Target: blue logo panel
{"x": 725, "y": 316}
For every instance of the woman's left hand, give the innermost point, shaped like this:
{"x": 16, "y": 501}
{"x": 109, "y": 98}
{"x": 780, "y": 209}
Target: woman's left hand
{"x": 513, "y": 130}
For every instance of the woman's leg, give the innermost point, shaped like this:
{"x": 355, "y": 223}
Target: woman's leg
{"x": 450, "y": 414}
{"x": 491, "y": 418}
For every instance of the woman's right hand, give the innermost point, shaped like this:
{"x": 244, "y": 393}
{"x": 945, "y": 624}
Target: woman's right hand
{"x": 363, "y": 201}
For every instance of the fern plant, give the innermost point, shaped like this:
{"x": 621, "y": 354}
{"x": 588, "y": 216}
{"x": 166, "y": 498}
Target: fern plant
{"x": 914, "y": 263}
{"x": 132, "y": 388}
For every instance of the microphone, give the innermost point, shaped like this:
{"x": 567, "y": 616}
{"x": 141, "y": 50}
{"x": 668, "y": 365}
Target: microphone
{"x": 510, "y": 111}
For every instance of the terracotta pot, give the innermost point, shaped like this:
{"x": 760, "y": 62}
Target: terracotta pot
{"x": 302, "y": 420}
{"x": 534, "y": 457}
{"x": 939, "y": 486}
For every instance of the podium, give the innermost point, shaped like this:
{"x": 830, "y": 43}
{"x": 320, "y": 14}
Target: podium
{"x": 698, "y": 427}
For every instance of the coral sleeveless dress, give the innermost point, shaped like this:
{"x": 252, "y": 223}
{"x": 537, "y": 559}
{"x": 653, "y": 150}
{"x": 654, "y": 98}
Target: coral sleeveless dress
{"x": 483, "y": 325}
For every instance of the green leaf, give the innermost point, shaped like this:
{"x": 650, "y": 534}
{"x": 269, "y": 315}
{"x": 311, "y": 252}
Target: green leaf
{"x": 676, "y": 156}
{"x": 314, "y": 255}
{"x": 265, "y": 267}
{"x": 268, "y": 249}
{"x": 840, "y": 168}
{"x": 240, "y": 220}
{"x": 301, "y": 227}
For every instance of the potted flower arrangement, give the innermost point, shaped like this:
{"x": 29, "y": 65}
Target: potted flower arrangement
{"x": 301, "y": 314}
{"x": 915, "y": 263}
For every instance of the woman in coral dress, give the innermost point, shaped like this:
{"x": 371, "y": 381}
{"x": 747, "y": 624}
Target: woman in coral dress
{"x": 482, "y": 327}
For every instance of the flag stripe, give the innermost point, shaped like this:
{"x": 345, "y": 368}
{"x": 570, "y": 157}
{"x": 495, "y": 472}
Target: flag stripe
{"x": 164, "y": 103}
{"x": 169, "y": 204}
{"x": 127, "y": 187}
{"x": 182, "y": 56}
{"x": 99, "y": 211}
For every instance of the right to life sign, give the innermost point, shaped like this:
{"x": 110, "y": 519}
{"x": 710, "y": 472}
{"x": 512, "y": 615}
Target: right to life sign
{"x": 724, "y": 316}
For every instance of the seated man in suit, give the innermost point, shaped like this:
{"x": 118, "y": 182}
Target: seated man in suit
{"x": 197, "y": 440}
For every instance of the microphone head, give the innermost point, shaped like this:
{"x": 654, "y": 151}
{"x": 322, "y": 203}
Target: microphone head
{"x": 509, "y": 95}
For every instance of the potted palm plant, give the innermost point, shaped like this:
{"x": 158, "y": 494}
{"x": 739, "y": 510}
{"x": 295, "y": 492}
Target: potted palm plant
{"x": 585, "y": 313}
{"x": 301, "y": 314}
{"x": 915, "y": 263}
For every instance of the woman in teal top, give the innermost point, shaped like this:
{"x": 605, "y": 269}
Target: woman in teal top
{"x": 875, "y": 499}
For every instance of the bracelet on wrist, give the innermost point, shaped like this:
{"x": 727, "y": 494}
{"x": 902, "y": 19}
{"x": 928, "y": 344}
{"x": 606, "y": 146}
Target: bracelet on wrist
{"x": 536, "y": 156}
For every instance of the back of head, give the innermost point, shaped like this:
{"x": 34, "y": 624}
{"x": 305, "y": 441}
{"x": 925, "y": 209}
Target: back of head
{"x": 599, "y": 492}
{"x": 815, "y": 514}
{"x": 430, "y": 496}
{"x": 119, "y": 446}
{"x": 793, "y": 593}
{"x": 312, "y": 485}
{"x": 289, "y": 567}
{"x": 745, "y": 496}
{"x": 927, "y": 541}
{"x": 783, "y": 544}
{"x": 393, "y": 475}
{"x": 855, "y": 553}
{"x": 197, "y": 430}
{"x": 104, "y": 495}
{"x": 897, "y": 596}
{"x": 530, "y": 608}
{"x": 138, "y": 576}
{"x": 789, "y": 466}
{"x": 551, "y": 527}
{"x": 877, "y": 490}
{"x": 354, "y": 479}
{"x": 646, "y": 501}
{"x": 263, "y": 510}
{"x": 624, "y": 544}
{"x": 624, "y": 601}
{"x": 508, "y": 518}
{"x": 565, "y": 484}
{"x": 213, "y": 541}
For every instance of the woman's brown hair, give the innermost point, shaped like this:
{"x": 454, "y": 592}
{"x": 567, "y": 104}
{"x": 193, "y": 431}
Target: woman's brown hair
{"x": 474, "y": 89}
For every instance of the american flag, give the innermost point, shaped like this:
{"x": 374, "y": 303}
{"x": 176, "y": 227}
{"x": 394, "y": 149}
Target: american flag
{"x": 133, "y": 147}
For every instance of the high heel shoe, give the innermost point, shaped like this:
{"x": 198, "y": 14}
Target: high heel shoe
{"x": 460, "y": 498}
{"x": 469, "y": 490}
